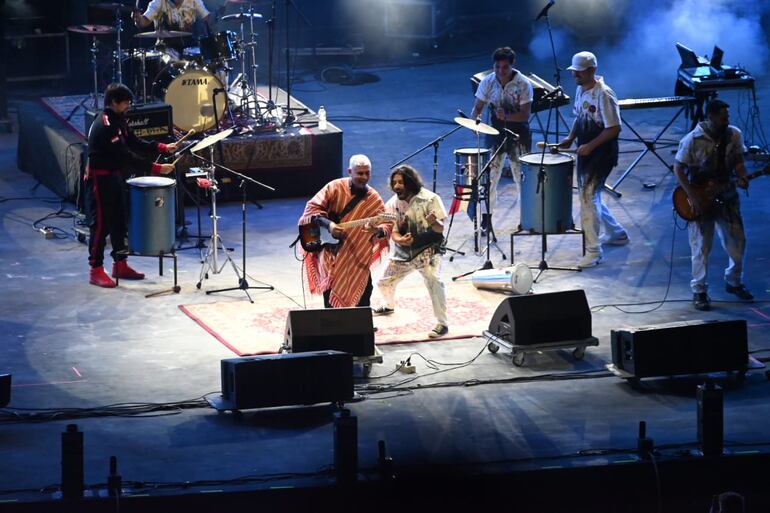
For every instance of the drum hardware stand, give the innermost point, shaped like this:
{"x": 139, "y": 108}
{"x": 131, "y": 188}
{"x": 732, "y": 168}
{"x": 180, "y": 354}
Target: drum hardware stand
{"x": 243, "y": 284}
{"x": 290, "y": 118}
{"x": 484, "y": 173}
{"x": 435, "y": 144}
{"x": 175, "y": 289}
{"x": 543, "y": 265}
{"x": 94, "y": 68}
{"x": 118, "y": 70}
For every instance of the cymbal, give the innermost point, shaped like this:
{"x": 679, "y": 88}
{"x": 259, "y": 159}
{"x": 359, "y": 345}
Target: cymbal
{"x": 162, "y": 34}
{"x": 95, "y": 30}
{"x": 208, "y": 141}
{"x": 114, "y": 6}
{"x": 240, "y": 16}
{"x": 477, "y": 126}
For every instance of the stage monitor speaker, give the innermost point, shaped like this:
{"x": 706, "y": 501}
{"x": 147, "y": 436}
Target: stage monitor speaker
{"x": 340, "y": 329}
{"x": 684, "y": 347}
{"x": 286, "y": 379}
{"x": 543, "y": 318}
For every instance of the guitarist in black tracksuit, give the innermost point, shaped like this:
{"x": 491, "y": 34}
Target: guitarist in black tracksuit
{"x": 714, "y": 151}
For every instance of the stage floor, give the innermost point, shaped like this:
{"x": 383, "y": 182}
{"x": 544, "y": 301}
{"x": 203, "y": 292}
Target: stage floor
{"x": 72, "y": 345}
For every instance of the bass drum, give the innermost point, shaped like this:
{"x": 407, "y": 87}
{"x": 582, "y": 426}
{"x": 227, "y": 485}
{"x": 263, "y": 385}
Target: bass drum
{"x": 190, "y": 92}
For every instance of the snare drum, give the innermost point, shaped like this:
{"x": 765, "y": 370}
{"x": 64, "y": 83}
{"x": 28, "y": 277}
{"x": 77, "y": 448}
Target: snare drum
{"x": 557, "y": 189}
{"x": 218, "y": 47}
{"x": 468, "y": 162}
{"x": 190, "y": 92}
{"x": 151, "y": 227}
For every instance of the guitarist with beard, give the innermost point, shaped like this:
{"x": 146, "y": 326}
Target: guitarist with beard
{"x": 714, "y": 151}
{"x": 417, "y": 239}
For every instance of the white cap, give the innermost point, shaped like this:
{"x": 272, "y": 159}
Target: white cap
{"x": 581, "y": 61}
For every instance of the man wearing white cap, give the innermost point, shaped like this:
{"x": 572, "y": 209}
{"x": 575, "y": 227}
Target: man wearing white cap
{"x": 596, "y": 128}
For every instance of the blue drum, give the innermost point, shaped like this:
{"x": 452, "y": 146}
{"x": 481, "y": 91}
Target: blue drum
{"x": 557, "y": 189}
{"x": 151, "y": 226}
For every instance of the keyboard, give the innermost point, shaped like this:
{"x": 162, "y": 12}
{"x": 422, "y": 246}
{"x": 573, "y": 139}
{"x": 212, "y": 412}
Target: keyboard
{"x": 654, "y": 103}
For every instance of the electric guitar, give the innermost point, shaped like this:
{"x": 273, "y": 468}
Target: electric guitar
{"x": 707, "y": 193}
{"x": 315, "y": 237}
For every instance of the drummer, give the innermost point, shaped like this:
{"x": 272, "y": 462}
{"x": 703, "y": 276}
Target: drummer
{"x": 509, "y": 95}
{"x": 111, "y": 146}
{"x": 178, "y": 15}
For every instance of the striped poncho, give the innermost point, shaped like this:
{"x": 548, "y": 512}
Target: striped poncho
{"x": 346, "y": 270}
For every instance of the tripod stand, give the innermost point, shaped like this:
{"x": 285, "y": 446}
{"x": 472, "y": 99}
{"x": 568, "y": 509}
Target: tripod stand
{"x": 484, "y": 174}
{"x": 93, "y": 31}
{"x": 210, "y": 262}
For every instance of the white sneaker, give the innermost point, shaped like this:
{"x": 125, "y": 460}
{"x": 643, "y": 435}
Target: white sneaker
{"x": 618, "y": 240}
{"x": 590, "y": 260}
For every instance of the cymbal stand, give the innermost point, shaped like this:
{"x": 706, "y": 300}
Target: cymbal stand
{"x": 243, "y": 284}
{"x": 491, "y": 238}
{"x": 289, "y": 109}
{"x": 118, "y": 48}
{"x": 94, "y": 68}
{"x": 211, "y": 260}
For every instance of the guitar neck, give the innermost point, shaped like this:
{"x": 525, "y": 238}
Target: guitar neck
{"x": 357, "y": 222}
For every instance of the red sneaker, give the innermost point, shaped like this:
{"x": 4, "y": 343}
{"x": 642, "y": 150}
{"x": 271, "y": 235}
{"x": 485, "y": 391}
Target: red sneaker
{"x": 99, "y": 278}
{"x": 120, "y": 269}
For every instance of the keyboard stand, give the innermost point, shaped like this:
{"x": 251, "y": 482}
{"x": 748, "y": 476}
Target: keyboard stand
{"x": 649, "y": 146}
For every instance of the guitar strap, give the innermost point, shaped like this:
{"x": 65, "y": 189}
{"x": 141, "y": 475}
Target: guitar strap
{"x": 351, "y": 205}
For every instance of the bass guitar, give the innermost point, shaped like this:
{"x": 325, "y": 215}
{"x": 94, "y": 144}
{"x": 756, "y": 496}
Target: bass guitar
{"x": 315, "y": 237}
{"x": 708, "y": 194}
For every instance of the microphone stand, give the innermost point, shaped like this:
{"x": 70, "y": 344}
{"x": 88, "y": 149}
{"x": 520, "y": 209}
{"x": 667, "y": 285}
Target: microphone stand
{"x": 557, "y": 69}
{"x": 243, "y": 284}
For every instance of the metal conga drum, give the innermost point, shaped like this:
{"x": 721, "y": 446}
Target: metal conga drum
{"x": 468, "y": 163}
{"x": 516, "y": 279}
{"x": 557, "y": 188}
{"x": 151, "y": 226}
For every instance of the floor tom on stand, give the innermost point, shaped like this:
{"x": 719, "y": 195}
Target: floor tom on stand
{"x": 154, "y": 61}
{"x": 190, "y": 92}
{"x": 468, "y": 163}
{"x": 557, "y": 189}
{"x": 151, "y": 227}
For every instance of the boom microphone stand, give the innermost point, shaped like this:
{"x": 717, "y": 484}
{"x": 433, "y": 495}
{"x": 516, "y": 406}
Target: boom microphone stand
{"x": 289, "y": 115}
{"x": 557, "y": 69}
{"x": 243, "y": 284}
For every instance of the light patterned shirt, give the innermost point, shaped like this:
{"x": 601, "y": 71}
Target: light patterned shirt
{"x": 517, "y": 92}
{"x": 180, "y": 17}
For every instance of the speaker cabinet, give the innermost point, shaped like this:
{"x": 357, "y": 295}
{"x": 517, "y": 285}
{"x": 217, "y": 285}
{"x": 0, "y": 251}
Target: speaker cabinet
{"x": 543, "y": 318}
{"x": 286, "y": 379}
{"x": 341, "y": 329}
{"x": 687, "y": 347}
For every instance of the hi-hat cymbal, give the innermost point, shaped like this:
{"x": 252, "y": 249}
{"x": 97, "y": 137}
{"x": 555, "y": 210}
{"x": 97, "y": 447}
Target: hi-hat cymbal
{"x": 114, "y": 6}
{"x": 241, "y": 15}
{"x": 162, "y": 34}
{"x": 477, "y": 126}
{"x": 208, "y": 141}
{"x": 95, "y": 30}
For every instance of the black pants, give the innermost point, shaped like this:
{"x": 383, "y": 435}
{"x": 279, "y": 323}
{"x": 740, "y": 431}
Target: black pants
{"x": 105, "y": 206}
{"x": 365, "y": 297}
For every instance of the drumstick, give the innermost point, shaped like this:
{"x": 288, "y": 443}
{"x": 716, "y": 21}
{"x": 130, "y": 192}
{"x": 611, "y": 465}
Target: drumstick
{"x": 180, "y": 157}
{"x": 554, "y": 147}
{"x": 185, "y": 136}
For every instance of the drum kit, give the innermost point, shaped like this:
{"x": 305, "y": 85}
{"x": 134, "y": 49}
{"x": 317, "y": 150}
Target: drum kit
{"x": 189, "y": 80}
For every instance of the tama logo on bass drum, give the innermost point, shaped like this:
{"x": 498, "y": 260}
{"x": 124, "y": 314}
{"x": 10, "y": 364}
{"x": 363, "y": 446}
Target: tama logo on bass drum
{"x": 195, "y": 81}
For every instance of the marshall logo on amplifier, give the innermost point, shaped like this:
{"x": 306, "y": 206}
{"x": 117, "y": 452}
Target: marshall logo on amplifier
{"x": 151, "y": 121}
{"x": 148, "y": 121}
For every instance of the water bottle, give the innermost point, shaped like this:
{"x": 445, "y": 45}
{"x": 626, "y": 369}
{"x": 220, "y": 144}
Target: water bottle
{"x": 322, "y": 125}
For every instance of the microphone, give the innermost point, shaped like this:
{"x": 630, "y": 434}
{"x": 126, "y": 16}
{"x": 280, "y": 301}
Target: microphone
{"x": 511, "y": 133}
{"x": 553, "y": 94}
{"x": 544, "y": 12}
{"x": 462, "y": 114}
